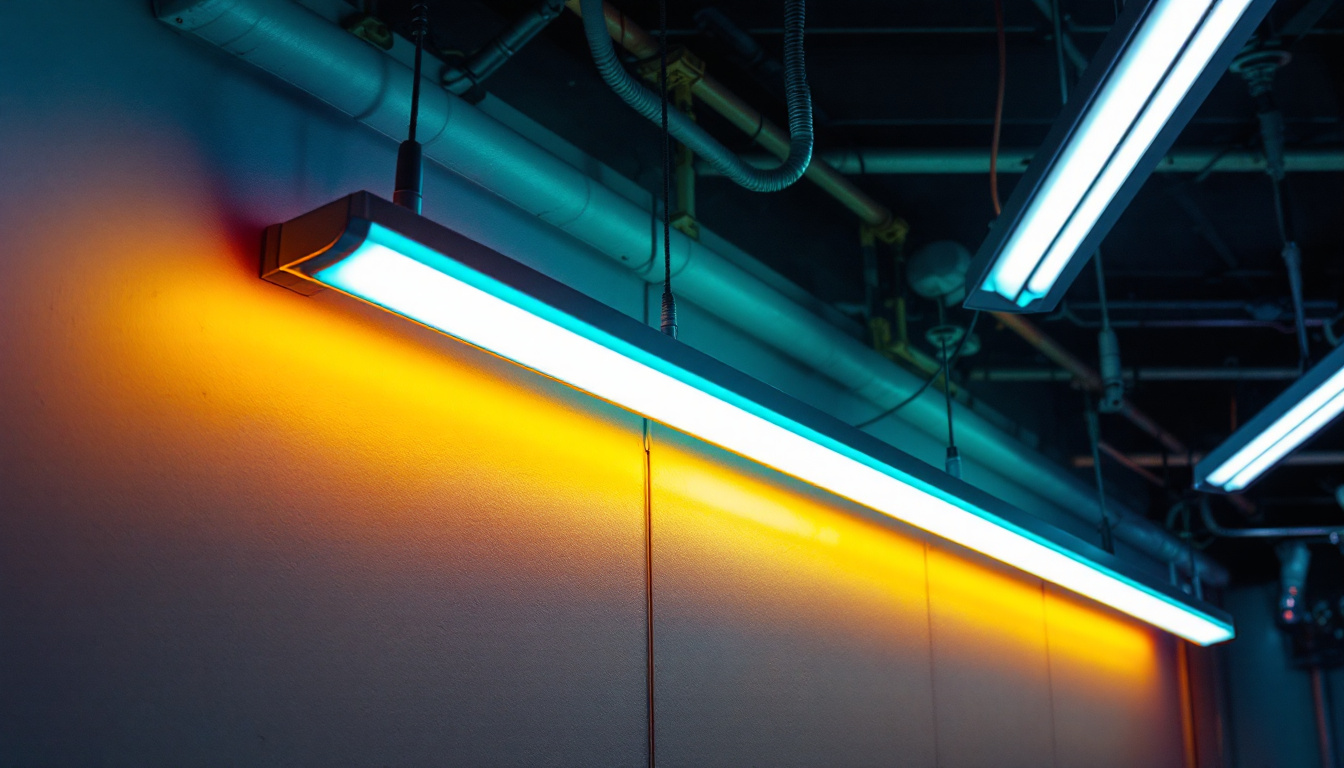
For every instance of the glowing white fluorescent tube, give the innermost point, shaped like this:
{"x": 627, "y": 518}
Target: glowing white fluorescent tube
{"x": 1172, "y": 92}
{"x": 472, "y": 294}
{"x": 1290, "y": 420}
{"x": 1158, "y": 63}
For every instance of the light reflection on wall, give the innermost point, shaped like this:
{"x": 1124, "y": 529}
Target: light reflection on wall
{"x": 173, "y": 377}
{"x": 233, "y": 511}
{"x": 1115, "y": 697}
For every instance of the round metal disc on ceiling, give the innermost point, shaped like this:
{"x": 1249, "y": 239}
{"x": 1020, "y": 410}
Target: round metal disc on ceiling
{"x": 938, "y": 271}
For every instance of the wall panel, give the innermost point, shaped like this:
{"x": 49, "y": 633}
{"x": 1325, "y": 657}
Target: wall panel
{"x": 789, "y": 630}
{"x": 1114, "y": 688}
{"x": 991, "y": 667}
{"x": 246, "y": 527}
{"x": 242, "y": 527}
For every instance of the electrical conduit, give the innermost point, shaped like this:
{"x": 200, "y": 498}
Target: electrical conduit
{"x": 686, "y": 131}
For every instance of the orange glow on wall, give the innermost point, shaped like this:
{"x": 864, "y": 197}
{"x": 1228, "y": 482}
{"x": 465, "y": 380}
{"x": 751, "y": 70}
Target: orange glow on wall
{"x": 726, "y": 518}
{"x": 1099, "y": 639}
{"x": 169, "y": 394}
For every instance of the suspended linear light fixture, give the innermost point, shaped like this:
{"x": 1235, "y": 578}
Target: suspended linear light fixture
{"x": 1289, "y": 421}
{"x": 388, "y": 256}
{"x": 1151, "y": 73}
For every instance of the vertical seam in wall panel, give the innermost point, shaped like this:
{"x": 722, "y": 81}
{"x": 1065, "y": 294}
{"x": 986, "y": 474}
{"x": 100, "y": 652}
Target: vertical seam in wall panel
{"x": 1186, "y": 690}
{"x": 1049, "y": 675}
{"x": 648, "y": 582}
{"x": 933, "y": 679}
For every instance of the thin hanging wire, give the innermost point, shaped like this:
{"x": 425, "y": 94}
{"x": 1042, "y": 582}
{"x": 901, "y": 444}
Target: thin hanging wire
{"x": 1279, "y": 217}
{"x": 408, "y": 187}
{"x": 956, "y": 353}
{"x": 420, "y": 24}
{"x": 1094, "y": 437}
{"x": 668, "y": 320}
{"x": 1002, "y": 41}
{"x": 1056, "y": 18}
{"x": 1101, "y": 290}
{"x": 947, "y": 390}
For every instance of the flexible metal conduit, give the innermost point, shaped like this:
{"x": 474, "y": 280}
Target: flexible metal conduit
{"x": 747, "y": 119}
{"x": 685, "y": 130}
{"x": 318, "y": 57}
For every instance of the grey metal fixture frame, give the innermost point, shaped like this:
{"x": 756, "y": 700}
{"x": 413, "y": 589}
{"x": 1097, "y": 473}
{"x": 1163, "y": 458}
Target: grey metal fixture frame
{"x": 1082, "y": 98}
{"x": 316, "y": 239}
{"x": 1313, "y": 378}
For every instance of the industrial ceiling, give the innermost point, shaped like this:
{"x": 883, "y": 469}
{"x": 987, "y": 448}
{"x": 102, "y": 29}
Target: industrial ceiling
{"x": 1197, "y": 288}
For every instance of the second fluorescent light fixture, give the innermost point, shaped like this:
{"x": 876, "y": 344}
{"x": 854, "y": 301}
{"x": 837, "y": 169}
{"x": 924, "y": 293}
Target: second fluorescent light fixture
{"x": 385, "y": 255}
{"x": 1151, "y": 73}
{"x": 1312, "y": 402}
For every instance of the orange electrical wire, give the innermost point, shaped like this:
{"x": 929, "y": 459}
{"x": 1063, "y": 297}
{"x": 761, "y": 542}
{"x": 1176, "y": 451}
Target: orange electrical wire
{"x": 998, "y": 108}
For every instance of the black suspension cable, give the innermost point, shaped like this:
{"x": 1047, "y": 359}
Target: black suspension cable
{"x": 1280, "y": 215}
{"x": 952, "y": 464}
{"x": 947, "y": 392}
{"x": 1094, "y": 438}
{"x": 407, "y": 191}
{"x": 956, "y": 353}
{"x": 419, "y": 22}
{"x": 668, "y": 320}
{"x": 1056, "y": 19}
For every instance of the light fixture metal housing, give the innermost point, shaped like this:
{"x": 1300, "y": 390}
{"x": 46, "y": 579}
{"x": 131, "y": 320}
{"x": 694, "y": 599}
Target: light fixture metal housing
{"x": 1290, "y": 420}
{"x": 388, "y": 256}
{"x": 1150, "y": 75}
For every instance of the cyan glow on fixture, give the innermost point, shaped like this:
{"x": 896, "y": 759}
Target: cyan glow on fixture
{"x": 1154, "y": 69}
{"x": 1290, "y": 420}
{"x": 385, "y": 255}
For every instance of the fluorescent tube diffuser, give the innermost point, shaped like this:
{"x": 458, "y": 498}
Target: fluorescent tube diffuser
{"x": 388, "y": 256}
{"x": 1151, "y": 73}
{"x": 1290, "y": 420}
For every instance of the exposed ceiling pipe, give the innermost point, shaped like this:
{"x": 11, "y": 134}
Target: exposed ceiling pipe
{"x": 882, "y": 161}
{"x": 630, "y": 36}
{"x": 1091, "y": 381}
{"x": 1088, "y": 378}
{"x": 685, "y": 130}
{"x": 1020, "y": 29}
{"x": 1157, "y": 460}
{"x": 1023, "y": 375}
{"x": 1124, "y": 460}
{"x": 317, "y": 56}
{"x": 465, "y": 79}
{"x": 771, "y": 137}
{"x": 1049, "y": 10}
{"x": 1307, "y": 531}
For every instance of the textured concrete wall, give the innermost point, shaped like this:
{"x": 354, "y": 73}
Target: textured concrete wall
{"x": 243, "y": 527}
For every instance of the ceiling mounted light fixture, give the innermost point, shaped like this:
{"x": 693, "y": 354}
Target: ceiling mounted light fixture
{"x": 1303, "y": 409}
{"x": 388, "y": 256}
{"x": 1151, "y": 73}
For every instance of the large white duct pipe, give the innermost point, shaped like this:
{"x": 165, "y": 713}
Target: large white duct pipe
{"x": 307, "y": 51}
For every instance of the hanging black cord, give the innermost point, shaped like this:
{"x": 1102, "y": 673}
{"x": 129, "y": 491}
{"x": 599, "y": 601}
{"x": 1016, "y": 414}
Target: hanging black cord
{"x": 410, "y": 160}
{"x": 1094, "y": 438}
{"x": 1292, "y": 258}
{"x": 419, "y": 20}
{"x": 956, "y": 353}
{"x": 668, "y": 321}
{"x": 947, "y": 393}
{"x": 952, "y": 463}
{"x": 1280, "y": 214}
